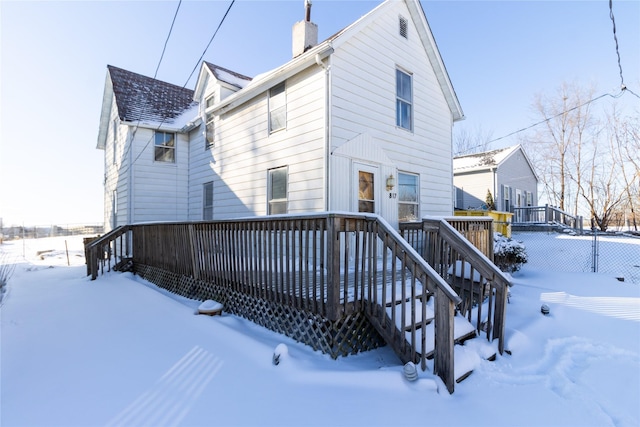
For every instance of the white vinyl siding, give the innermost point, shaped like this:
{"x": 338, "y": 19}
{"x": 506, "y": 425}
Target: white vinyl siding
{"x": 363, "y": 95}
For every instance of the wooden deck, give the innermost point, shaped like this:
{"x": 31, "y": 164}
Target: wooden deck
{"x": 342, "y": 283}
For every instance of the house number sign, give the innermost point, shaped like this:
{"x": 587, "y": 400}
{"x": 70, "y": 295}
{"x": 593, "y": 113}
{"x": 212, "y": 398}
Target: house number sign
{"x": 393, "y": 195}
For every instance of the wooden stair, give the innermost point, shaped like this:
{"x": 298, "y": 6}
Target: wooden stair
{"x": 398, "y": 334}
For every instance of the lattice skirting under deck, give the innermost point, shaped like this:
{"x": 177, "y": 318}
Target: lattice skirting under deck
{"x": 349, "y": 335}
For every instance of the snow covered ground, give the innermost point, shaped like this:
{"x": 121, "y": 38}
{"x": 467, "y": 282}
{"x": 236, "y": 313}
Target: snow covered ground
{"x": 118, "y": 351}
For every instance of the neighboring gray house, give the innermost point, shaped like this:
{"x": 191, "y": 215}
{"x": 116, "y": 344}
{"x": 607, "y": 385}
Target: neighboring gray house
{"x": 361, "y": 122}
{"x": 506, "y": 172}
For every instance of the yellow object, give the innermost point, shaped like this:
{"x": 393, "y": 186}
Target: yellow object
{"x": 501, "y": 220}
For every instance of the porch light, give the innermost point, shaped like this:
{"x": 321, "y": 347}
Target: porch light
{"x": 391, "y": 182}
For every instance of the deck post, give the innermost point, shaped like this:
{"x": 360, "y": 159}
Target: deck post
{"x": 192, "y": 248}
{"x": 444, "y": 340}
{"x": 333, "y": 268}
{"x": 500, "y": 316}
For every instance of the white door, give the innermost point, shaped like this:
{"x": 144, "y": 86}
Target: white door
{"x": 366, "y": 188}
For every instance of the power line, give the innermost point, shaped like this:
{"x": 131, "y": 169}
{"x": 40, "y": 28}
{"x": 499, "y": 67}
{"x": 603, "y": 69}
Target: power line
{"x": 615, "y": 38}
{"x": 622, "y": 92}
{"x": 209, "y": 44}
{"x": 185, "y": 83}
{"x": 167, "y": 40}
{"x": 135, "y": 128}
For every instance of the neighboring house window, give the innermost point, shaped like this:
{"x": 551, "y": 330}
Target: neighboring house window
{"x": 207, "y": 201}
{"x": 408, "y": 208}
{"x": 210, "y": 101}
{"x": 529, "y": 198}
{"x": 404, "y": 100}
{"x": 404, "y": 27}
{"x": 506, "y": 197}
{"x": 209, "y": 137}
{"x": 277, "y": 108}
{"x": 165, "y": 147}
{"x": 277, "y": 191}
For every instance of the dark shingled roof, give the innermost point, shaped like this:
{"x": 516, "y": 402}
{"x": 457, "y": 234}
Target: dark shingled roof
{"x": 141, "y": 98}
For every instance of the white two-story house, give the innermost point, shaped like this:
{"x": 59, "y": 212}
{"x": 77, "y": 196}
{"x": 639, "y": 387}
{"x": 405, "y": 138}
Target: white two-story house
{"x": 360, "y": 122}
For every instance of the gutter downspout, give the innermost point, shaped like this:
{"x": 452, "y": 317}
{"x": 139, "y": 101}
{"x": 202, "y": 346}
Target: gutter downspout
{"x": 327, "y": 129}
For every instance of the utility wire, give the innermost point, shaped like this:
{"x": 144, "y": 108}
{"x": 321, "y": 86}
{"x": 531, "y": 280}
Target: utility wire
{"x": 622, "y": 92}
{"x": 209, "y": 44}
{"x": 185, "y": 83}
{"x": 135, "y": 128}
{"x": 615, "y": 38}
{"x": 167, "y": 40}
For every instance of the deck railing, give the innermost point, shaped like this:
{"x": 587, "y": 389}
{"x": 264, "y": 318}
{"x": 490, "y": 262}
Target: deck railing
{"x": 329, "y": 265}
{"x": 546, "y": 215}
{"x": 481, "y": 285}
{"x": 110, "y": 249}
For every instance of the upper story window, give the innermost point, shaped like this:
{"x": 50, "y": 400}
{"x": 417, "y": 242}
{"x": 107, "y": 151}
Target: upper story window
{"x": 277, "y": 108}
{"x": 404, "y": 100}
{"x": 165, "y": 147}
{"x": 277, "y": 191}
{"x": 404, "y": 27}
{"x": 209, "y": 131}
{"x": 408, "y": 200}
{"x": 211, "y": 99}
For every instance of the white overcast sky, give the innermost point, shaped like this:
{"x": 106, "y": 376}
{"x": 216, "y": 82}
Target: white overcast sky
{"x": 499, "y": 55}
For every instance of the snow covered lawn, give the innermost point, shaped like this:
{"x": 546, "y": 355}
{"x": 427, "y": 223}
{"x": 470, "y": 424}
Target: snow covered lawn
{"x": 119, "y": 351}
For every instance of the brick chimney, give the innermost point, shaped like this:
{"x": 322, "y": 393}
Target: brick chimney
{"x": 305, "y": 33}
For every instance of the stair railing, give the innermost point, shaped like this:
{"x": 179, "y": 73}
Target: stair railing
{"x": 107, "y": 249}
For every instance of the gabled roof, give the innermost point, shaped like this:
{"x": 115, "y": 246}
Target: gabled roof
{"x": 316, "y": 54}
{"x": 487, "y": 160}
{"x": 148, "y": 100}
{"x": 222, "y": 75}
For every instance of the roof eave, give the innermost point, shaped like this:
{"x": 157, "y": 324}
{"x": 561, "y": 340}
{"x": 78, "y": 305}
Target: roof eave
{"x": 274, "y": 77}
{"x": 105, "y": 113}
{"x": 435, "y": 58}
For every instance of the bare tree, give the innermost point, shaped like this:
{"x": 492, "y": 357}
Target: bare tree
{"x": 471, "y": 142}
{"x": 557, "y": 146}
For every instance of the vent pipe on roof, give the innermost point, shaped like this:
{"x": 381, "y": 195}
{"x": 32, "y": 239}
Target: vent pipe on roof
{"x": 305, "y": 33}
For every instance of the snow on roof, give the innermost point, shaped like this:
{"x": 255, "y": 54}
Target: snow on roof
{"x": 481, "y": 161}
{"x": 231, "y": 77}
{"x": 150, "y": 101}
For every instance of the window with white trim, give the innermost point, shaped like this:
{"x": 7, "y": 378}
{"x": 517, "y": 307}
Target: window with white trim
{"x": 165, "y": 147}
{"x": 277, "y": 191}
{"x": 207, "y": 201}
{"x": 408, "y": 200}
{"x": 529, "y": 198}
{"x": 404, "y": 100}
{"x": 506, "y": 198}
{"x": 277, "y": 108}
{"x": 114, "y": 130}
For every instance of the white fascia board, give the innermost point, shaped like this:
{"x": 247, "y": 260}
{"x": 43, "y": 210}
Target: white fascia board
{"x": 272, "y": 78}
{"x": 429, "y": 43}
{"x": 105, "y": 113}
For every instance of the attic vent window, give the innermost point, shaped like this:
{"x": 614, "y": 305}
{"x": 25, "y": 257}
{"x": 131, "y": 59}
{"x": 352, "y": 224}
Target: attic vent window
{"x": 404, "y": 27}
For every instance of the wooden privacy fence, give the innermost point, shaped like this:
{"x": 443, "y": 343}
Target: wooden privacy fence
{"x": 481, "y": 285}
{"x": 341, "y": 283}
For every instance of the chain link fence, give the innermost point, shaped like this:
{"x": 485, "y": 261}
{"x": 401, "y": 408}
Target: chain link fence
{"x": 617, "y": 255}
{"x": 42, "y": 231}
